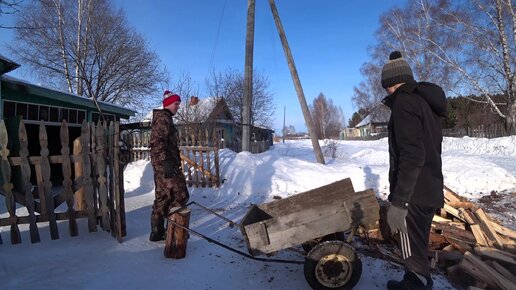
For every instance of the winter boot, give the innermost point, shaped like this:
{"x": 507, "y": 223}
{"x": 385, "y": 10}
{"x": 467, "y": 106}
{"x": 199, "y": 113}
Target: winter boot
{"x": 411, "y": 281}
{"x": 157, "y": 229}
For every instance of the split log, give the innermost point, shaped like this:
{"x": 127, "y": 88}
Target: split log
{"x": 490, "y": 233}
{"x": 175, "y": 244}
{"x": 495, "y": 254}
{"x": 461, "y": 204}
{"x": 475, "y": 227}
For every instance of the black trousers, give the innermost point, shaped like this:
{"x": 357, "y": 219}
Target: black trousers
{"x": 414, "y": 244}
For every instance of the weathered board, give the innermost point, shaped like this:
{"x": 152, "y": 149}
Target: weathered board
{"x": 294, "y": 220}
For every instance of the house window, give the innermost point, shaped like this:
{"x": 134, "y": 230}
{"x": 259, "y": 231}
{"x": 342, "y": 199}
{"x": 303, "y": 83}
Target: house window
{"x": 34, "y": 112}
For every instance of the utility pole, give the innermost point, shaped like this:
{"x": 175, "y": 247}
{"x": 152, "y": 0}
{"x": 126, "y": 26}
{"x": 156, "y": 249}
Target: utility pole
{"x": 297, "y": 83}
{"x": 248, "y": 77}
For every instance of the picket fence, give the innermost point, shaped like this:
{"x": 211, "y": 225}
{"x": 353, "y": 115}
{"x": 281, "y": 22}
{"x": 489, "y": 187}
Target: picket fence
{"x": 92, "y": 182}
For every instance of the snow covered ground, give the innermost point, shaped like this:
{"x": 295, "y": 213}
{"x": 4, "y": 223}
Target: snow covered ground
{"x": 479, "y": 169}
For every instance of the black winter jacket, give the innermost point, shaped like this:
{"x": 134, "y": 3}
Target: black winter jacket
{"x": 415, "y": 137}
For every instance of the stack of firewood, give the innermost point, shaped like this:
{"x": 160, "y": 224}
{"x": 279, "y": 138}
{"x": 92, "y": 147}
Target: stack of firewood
{"x": 473, "y": 248}
{"x": 466, "y": 240}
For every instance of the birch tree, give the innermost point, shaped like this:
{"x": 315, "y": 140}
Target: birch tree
{"x": 87, "y": 48}
{"x": 468, "y": 47}
{"x": 327, "y": 118}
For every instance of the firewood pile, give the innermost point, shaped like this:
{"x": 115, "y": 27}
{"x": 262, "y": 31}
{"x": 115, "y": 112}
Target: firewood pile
{"x": 473, "y": 248}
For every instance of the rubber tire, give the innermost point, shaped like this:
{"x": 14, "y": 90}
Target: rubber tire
{"x": 345, "y": 252}
{"x": 338, "y": 236}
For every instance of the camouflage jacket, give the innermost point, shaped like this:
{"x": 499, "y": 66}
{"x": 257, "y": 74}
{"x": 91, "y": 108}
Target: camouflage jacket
{"x": 164, "y": 139}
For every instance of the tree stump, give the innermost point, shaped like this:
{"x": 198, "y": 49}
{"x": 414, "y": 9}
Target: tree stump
{"x": 175, "y": 244}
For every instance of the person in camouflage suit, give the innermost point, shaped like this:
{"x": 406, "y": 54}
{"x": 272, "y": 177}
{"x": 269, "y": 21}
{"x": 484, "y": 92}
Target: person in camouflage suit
{"x": 169, "y": 181}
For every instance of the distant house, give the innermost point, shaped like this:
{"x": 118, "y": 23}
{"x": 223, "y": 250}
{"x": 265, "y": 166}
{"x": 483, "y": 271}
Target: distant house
{"x": 373, "y": 125}
{"x": 370, "y": 127}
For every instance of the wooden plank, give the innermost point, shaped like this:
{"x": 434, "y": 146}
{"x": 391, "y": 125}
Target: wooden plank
{"x": 500, "y": 281}
{"x": 490, "y": 233}
{"x": 217, "y": 168}
{"x": 496, "y": 254}
{"x": 80, "y": 199}
{"x": 461, "y": 204}
{"x": 101, "y": 179}
{"x": 26, "y": 185}
{"x": 87, "y": 182}
{"x": 67, "y": 179}
{"x": 503, "y": 230}
{"x": 295, "y": 228}
{"x": 10, "y": 203}
{"x": 118, "y": 187}
{"x": 333, "y": 214}
{"x": 109, "y": 139}
{"x": 450, "y": 195}
{"x": 47, "y": 184}
{"x": 475, "y": 227}
{"x": 454, "y": 212}
{"x": 336, "y": 191}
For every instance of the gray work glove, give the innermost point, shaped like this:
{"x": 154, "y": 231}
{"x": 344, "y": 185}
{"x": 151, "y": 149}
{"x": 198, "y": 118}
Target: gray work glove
{"x": 396, "y": 217}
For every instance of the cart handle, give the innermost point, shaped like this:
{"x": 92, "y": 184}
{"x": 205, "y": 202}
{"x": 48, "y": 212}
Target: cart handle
{"x": 233, "y": 249}
{"x": 231, "y": 223}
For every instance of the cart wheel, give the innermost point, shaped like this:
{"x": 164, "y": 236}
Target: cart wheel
{"x": 332, "y": 265}
{"x": 308, "y": 246}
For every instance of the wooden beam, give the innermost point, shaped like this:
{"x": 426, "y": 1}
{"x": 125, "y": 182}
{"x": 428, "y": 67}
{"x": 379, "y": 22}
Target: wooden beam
{"x": 489, "y": 231}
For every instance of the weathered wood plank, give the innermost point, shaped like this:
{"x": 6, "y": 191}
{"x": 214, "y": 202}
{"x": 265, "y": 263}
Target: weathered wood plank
{"x": 26, "y": 185}
{"x": 489, "y": 231}
{"x": 496, "y": 254}
{"x": 47, "y": 184}
{"x": 80, "y": 199}
{"x": 310, "y": 215}
{"x": 118, "y": 186}
{"x": 67, "y": 179}
{"x": 475, "y": 227}
{"x": 7, "y": 186}
{"x": 87, "y": 182}
{"x": 101, "y": 178}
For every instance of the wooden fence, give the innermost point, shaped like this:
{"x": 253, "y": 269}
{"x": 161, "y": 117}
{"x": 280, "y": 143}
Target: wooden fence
{"x": 482, "y": 131}
{"x": 92, "y": 182}
{"x": 199, "y": 156}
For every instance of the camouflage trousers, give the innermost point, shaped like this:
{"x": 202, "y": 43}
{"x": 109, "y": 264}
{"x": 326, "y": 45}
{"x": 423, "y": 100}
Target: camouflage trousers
{"x": 169, "y": 193}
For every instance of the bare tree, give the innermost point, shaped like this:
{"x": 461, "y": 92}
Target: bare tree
{"x": 8, "y": 7}
{"x": 369, "y": 94}
{"x": 468, "y": 47}
{"x": 230, "y": 86}
{"x": 88, "y": 48}
{"x": 327, "y": 117}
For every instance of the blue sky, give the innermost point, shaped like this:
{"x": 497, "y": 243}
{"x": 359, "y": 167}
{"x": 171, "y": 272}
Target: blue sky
{"x": 328, "y": 40}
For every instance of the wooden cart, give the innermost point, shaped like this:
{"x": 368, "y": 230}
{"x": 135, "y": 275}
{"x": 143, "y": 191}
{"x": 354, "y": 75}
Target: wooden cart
{"x": 314, "y": 219}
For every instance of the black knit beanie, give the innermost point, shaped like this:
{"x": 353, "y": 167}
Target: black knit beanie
{"x": 396, "y": 71}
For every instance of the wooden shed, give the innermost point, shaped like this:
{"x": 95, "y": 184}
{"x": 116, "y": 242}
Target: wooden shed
{"x": 36, "y": 104}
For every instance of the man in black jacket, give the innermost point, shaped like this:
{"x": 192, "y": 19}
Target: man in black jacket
{"x": 415, "y": 173}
